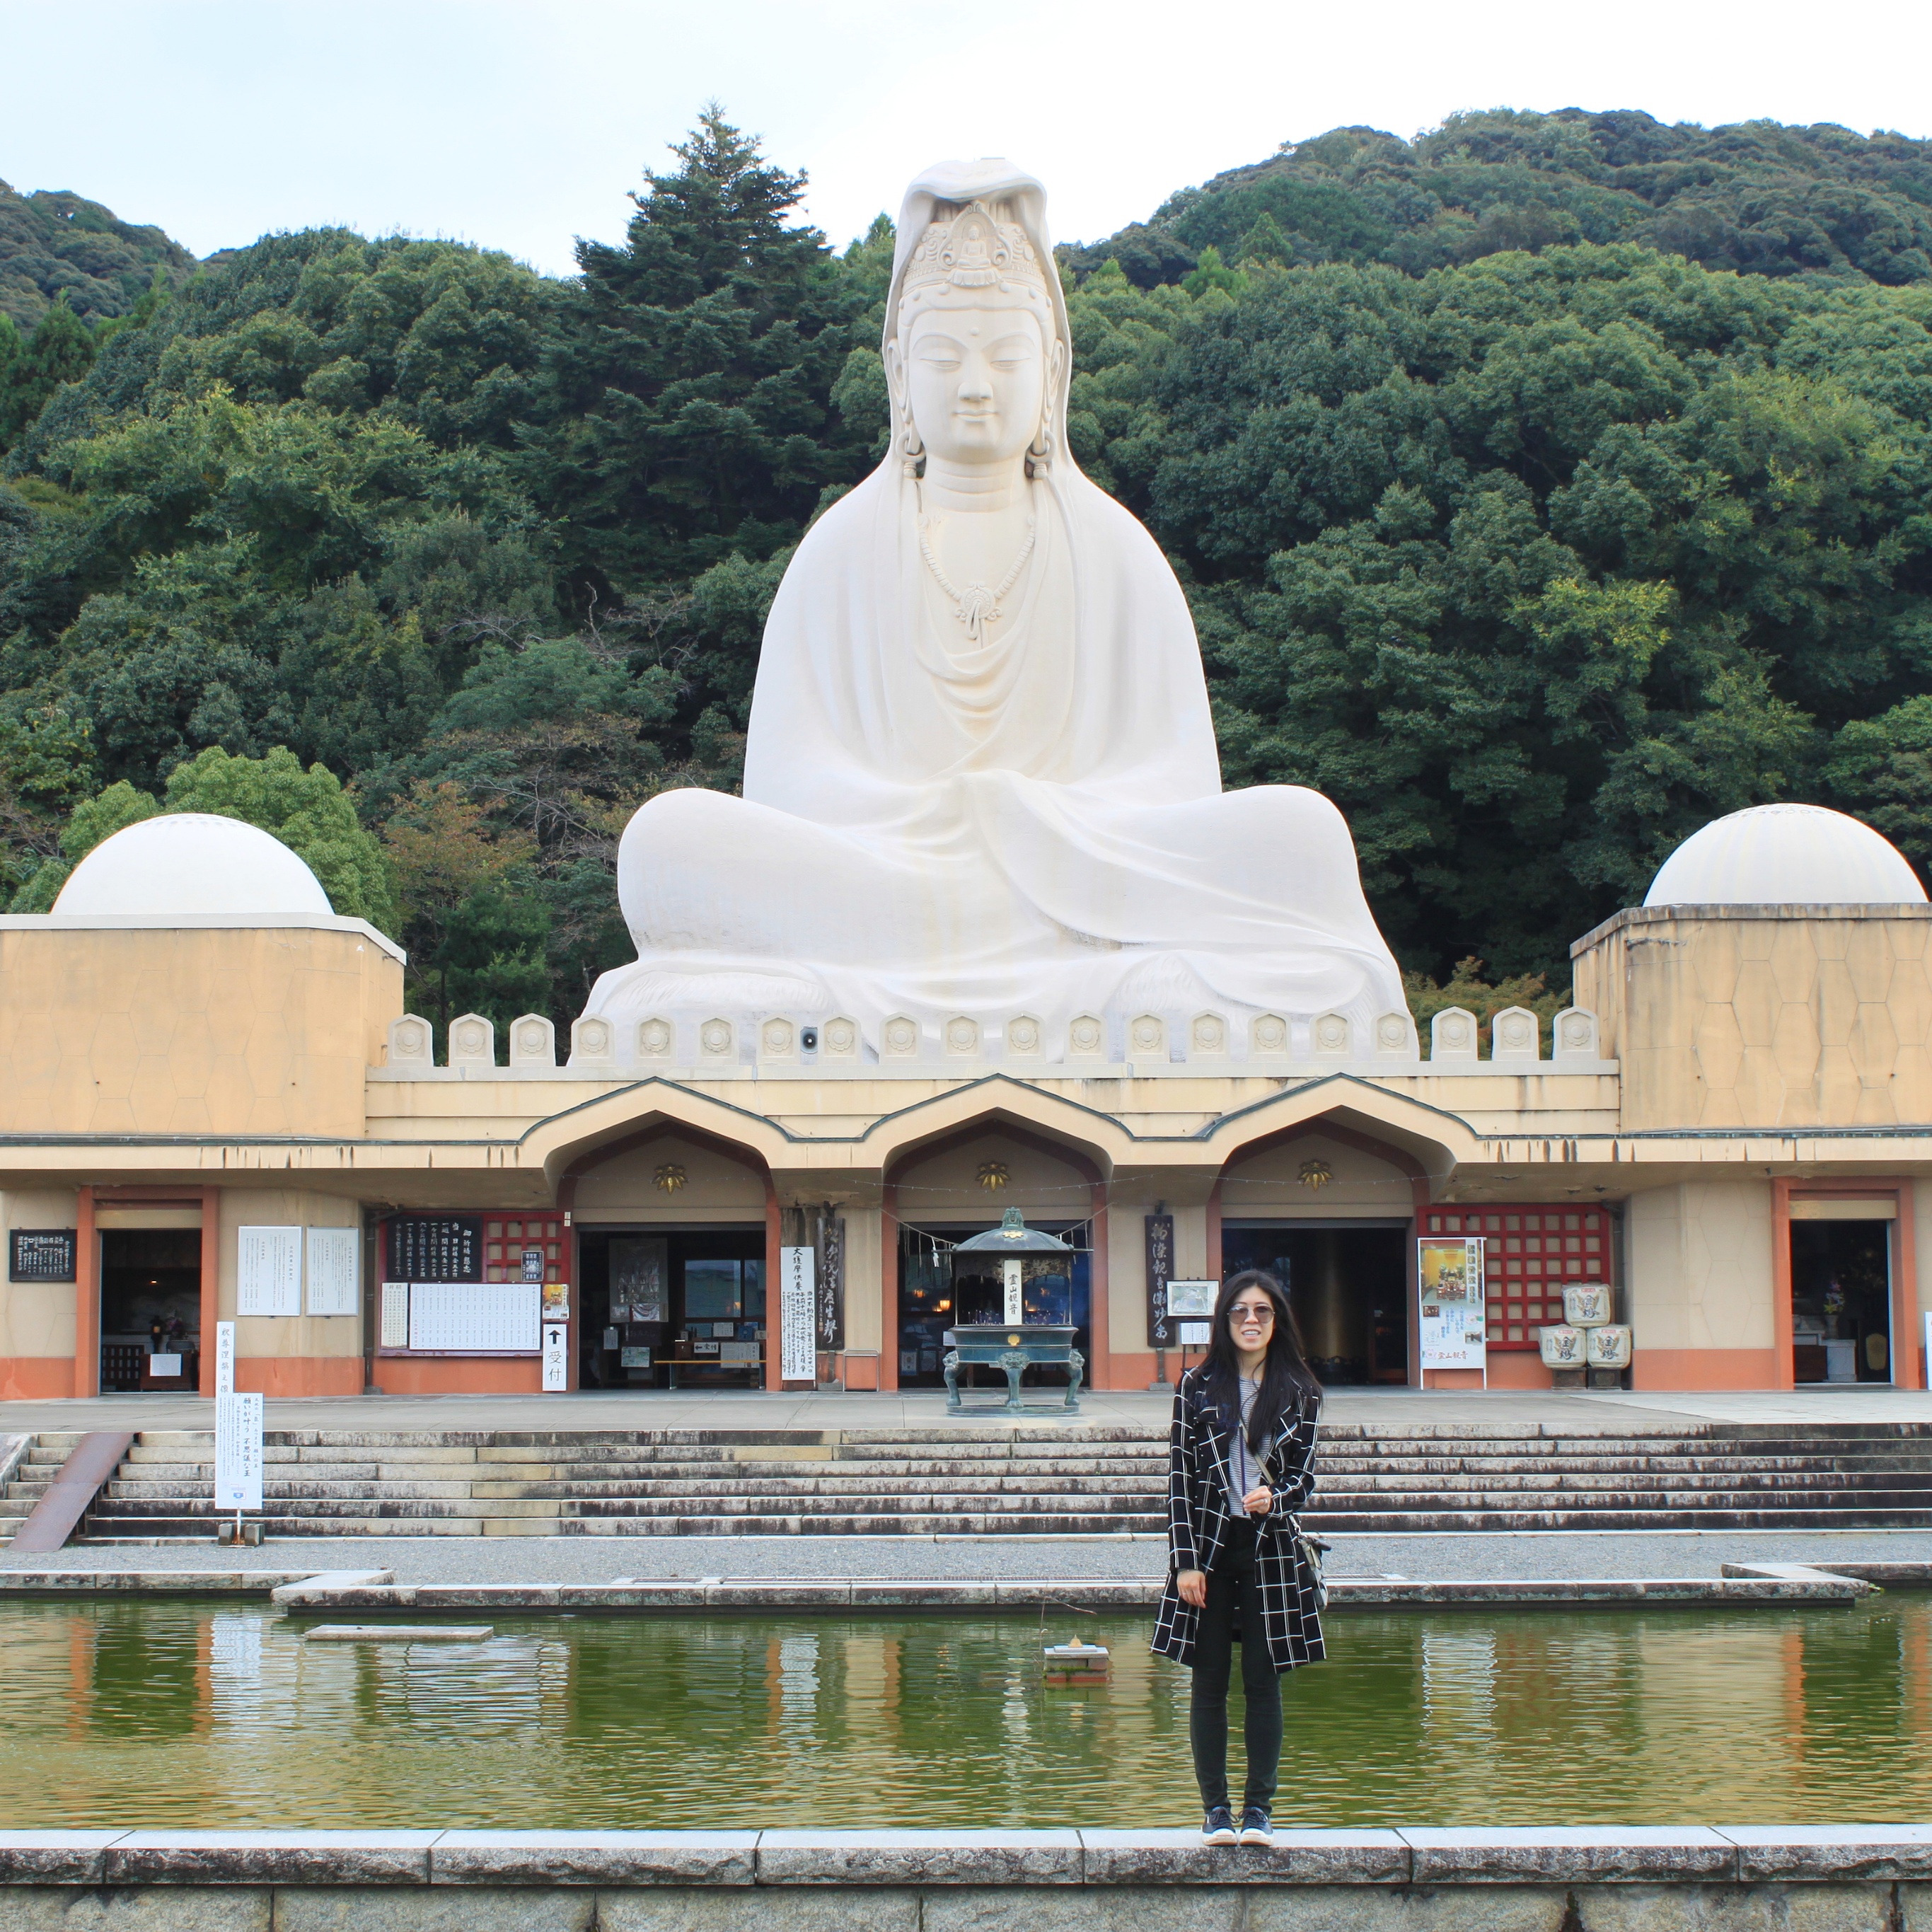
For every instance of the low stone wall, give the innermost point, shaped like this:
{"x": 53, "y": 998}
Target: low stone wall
{"x": 1777, "y": 1878}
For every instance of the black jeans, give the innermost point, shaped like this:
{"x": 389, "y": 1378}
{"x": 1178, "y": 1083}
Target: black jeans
{"x": 1234, "y": 1601}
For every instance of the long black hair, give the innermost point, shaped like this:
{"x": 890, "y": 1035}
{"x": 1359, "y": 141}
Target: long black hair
{"x": 1287, "y": 1385}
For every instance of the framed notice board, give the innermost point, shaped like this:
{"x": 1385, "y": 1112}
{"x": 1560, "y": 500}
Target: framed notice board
{"x": 41, "y": 1254}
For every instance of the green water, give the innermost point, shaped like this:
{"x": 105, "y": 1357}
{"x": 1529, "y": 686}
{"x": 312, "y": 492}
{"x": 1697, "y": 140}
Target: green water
{"x": 192, "y": 1714}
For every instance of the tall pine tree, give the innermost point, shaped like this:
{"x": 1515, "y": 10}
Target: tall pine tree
{"x": 688, "y": 397}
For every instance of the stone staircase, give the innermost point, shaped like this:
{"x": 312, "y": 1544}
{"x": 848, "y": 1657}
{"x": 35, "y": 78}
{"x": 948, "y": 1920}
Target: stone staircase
{"x": 1047, "y": 1481}
{"x": 25, "y": 1480}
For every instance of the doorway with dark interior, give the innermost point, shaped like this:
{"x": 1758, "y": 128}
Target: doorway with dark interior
{"x": 1841, "y": 1301}
{"x": 150, "y": 1309}
{"x": 931, "y": 1300}
{"x": 1348, "y": 1287}
{"x": 672, "y": 1308}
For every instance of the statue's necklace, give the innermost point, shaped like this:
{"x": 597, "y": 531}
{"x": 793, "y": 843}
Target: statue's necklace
{"x": 975, "y": 606}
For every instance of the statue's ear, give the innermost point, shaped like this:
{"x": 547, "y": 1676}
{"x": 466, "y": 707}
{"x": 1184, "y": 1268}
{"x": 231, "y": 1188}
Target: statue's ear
{"x": 1042, "y": 451}
{"x": 905, "y": 431}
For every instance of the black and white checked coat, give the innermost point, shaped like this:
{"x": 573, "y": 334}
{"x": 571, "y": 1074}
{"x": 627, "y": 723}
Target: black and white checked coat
{"x": 1197, "y": 1525}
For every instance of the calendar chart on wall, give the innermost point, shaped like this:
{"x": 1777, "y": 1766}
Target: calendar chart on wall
{"x": 476, "y": 1318}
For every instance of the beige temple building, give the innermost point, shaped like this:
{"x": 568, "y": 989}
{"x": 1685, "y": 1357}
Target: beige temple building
{"x": 214, "y": 1115}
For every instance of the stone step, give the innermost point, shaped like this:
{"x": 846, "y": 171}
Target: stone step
{"x": 113, "y": 1509}
{"x": 1426, "y": 1521}
{"x": 150, "y": 1479}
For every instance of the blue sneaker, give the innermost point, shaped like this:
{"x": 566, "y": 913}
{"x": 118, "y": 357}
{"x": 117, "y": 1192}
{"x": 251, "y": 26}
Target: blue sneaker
{"x": 1257, "y": 1827}
{"x": 1218, "y": 1827}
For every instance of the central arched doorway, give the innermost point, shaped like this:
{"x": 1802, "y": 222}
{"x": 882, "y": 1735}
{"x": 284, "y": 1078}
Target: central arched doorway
{"x": 1331, "y": 1211}
{"x": 942, "y": 1191}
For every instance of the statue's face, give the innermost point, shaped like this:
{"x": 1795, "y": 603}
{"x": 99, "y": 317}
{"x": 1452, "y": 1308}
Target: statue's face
{"x": 976, "y": 381}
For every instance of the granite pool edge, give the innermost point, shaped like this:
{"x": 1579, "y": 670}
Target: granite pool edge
{"x": 1406, "y": 1856}
{"x": 377, "y": 1590}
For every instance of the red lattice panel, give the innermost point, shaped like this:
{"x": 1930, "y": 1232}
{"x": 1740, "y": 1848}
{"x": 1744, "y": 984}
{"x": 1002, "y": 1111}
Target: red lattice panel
{"x": 505, "y": 1237}
{"x": 1528, "y": 1253}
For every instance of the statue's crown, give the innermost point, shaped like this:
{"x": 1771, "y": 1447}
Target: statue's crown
{"x": 974, "y": 249}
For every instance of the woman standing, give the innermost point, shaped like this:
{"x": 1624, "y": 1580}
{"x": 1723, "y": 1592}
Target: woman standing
{"x": 1239, "y": 1467}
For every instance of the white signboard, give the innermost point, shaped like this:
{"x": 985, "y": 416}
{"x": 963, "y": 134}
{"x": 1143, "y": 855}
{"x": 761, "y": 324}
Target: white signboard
{"x": 393, "y": 1323}
{"x": 334, "y": 1273}
{"x": 476, "y": 1317}
{"x": 267, "y": 1271}
{"x": 224, "y": 1358}
{"x": 798, "y": 1359}
{"x": 1454, "y": 1325}
{"x": 237, "y": 1452}
{"x": 555, "y": 1358}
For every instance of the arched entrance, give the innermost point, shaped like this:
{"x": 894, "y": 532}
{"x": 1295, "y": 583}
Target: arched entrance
{"x": 677, "y": 1234}
{"x": 940, "y": 1190}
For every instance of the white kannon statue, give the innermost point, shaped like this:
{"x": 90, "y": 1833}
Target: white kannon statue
{"x": 981, "y": 780}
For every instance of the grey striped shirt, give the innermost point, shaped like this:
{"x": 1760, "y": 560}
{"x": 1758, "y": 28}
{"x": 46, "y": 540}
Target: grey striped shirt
{"x": 1244, "y": 1465}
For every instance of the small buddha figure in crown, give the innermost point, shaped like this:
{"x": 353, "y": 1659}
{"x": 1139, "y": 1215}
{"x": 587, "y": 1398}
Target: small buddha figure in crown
{"x": 981, "y": 777}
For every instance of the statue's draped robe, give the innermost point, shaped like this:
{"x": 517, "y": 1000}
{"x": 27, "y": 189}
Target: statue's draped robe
{"x": 1034, "y": 825}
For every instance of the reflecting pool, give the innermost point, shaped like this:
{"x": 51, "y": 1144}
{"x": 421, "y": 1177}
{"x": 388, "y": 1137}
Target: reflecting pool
{"x": 194, "y": 1714}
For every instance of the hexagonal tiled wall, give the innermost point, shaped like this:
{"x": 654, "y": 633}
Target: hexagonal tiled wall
{"x": 1764, "y": 1016}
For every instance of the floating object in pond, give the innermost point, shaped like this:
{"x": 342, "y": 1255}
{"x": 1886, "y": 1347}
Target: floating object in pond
{"x": 1076, "y": 1662}
{"x": 400, "y": 1633}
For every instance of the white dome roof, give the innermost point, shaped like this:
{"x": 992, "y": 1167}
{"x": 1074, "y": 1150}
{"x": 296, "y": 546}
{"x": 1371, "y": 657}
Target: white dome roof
{"x": 188, "y": 863}
{"x": 1785, "y": 855}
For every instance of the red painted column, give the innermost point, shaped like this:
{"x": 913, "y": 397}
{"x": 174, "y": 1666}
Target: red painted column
{"x": 1908, "y": 1369}
{"x": 1782, "y": 1376}
{"x": 210, "y": 1284}
{"x": 86, "y": 1298}
{"x": 1100, "y": 1369}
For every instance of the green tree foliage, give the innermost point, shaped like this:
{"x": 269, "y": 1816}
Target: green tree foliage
{"x": 60, "y": 349}
{"x": 308, "y": 810}
{"x": 1536, "y": 565}
{"x": 59, "y": 248}
{"x": 474, "y": 927}
{"x": 1757, "y": 197}
{"x": 1466, "y": 988}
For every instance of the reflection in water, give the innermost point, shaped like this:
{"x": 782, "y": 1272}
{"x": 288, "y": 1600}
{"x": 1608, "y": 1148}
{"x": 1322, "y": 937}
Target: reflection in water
{"x": 173, "y": 1713}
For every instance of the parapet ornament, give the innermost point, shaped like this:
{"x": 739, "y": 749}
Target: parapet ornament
{"x": 1574, "y": 1035}
{"x": 1515, "y": 1033}
{"x": 472, "y": 1041}
{"x": 533, "y": 1041}
{"x": 412, "y": 1041}
{"x": 1454, "y": 1034}
{"x": 593, "y": 1042}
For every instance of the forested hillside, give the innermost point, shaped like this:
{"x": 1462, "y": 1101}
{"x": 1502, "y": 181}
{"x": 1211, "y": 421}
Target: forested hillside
{"x": 1533, "y": 558}
{"x": 57, "y": 247}
{"x": 1760, "y": 198}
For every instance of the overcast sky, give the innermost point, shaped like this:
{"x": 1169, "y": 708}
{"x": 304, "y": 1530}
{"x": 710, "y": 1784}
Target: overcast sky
{"x": 520, "y": 123}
